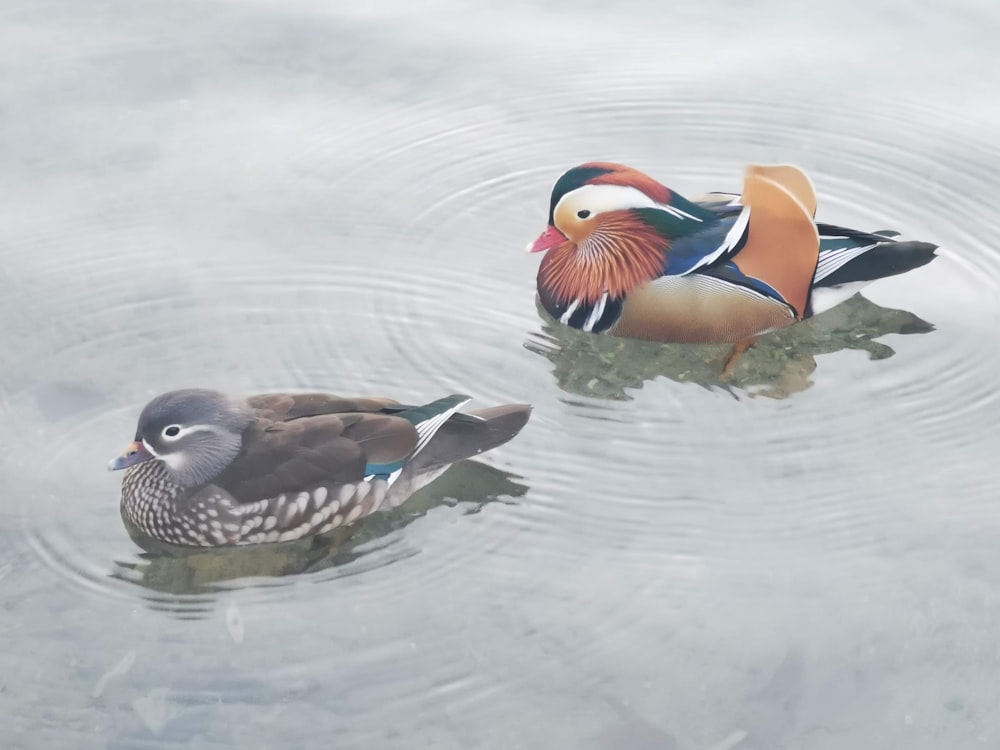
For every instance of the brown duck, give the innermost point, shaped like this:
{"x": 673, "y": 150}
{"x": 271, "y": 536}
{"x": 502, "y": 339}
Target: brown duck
{"x": 208, "y": 470}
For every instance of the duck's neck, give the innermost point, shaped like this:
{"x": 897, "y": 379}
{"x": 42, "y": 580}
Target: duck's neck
{"x": 609, "y": 261}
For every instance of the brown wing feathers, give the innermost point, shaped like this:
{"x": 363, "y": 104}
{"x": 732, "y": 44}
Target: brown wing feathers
{"x": 282, "y": 457}
{"x": 384, "y": 439}
{"x": 467, "y": 435}
{"x": 286, "y": 406}
{"x": 303, "y": 441}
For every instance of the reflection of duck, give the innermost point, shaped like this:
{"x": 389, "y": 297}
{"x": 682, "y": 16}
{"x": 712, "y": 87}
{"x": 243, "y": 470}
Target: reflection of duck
{"x": 780, "y": 366}
{"x": 630, "y": 257}
{"x": 175, "y": 570}
{"x": 206, "y": 470}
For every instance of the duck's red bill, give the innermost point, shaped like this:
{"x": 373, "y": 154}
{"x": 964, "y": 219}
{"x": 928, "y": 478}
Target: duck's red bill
{"x": 547, "y": 240}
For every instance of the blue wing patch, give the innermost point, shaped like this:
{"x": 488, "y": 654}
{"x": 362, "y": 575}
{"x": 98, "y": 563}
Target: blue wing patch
{"x": 712, "y": 242}
{"x": 383, "y": 471}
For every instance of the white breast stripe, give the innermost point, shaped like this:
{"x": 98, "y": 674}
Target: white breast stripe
{"x": 596, "y": 313}
{"x": 564, "y": 318}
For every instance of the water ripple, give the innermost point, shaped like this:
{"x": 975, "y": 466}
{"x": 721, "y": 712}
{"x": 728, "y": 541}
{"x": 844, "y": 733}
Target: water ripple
{"x": 646, "y": 514}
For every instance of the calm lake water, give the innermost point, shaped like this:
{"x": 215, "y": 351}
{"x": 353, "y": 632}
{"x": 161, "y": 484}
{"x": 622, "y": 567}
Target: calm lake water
{"x": 310, "y": 194}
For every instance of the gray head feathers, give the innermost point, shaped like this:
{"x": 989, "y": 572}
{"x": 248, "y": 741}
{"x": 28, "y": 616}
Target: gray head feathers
{"x": 195, "y": 432}
{"x": 193, "y": 406}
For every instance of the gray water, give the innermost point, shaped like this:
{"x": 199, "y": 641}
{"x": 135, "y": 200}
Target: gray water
{"x": 298, "y": 194}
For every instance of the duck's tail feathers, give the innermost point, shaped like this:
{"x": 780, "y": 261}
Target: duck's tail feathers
{"x": 848, "y": 256}
{"x": 850, "y": 260}
{"x": 429, "y": 418}
{"x": 460, "y": 438}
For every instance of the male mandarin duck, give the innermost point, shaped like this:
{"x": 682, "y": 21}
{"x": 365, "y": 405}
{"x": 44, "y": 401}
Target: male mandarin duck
{"x": 208, "y": 470}
{"x": 630, "y": 257}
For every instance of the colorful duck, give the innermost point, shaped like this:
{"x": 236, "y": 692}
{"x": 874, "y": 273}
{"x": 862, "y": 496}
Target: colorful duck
{"x": 630, "y": 257}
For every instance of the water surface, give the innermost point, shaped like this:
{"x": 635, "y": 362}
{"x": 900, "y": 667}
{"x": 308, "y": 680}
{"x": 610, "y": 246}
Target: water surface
{"x": 257, "y": 195}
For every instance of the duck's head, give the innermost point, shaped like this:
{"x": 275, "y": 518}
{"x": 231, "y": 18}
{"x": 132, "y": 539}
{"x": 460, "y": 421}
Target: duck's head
{"x": 610, "y": 227}
{"x": 196, "y": 433}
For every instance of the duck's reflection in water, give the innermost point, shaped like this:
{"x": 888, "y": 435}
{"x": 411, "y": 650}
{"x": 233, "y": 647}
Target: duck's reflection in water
{"x": 187, "y": 577}
{"x": 779, "y": 365}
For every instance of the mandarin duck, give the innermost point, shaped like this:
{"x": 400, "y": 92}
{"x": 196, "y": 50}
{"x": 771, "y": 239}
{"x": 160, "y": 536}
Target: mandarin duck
{"x": 627, "y": 256}
{"x": 208, "y": 470}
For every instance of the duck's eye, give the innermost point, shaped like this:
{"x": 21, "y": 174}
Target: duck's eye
{"x": 172, "y": 431}
{"x": 583, "y": 213}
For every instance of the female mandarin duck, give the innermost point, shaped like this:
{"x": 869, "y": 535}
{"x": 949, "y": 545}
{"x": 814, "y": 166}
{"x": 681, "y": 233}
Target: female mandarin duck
{"x": 630, "y": 257}
{"x": 207, "y": 470}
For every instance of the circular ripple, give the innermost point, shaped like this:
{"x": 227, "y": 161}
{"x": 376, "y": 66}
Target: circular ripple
{"x": 869, "y": 174}
{"x": 864, "y": 169}
{"x": 243, "y": 325}
{"x": 392, "y": 263}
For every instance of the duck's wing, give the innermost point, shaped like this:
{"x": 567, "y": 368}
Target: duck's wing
{"x": 297, "y": 454}
{"x": 765, "y": 239}
{"x": 311, "y": 474}
{"x": 715, "y": 240}
{"x": 790, "y": 177}
{"x": 757, "y": 279}
{"x": 280, "y": 407}
{"x": 782, "y": 244}
{"x": 725, "y": 218}
{"x": 468, "y": 435}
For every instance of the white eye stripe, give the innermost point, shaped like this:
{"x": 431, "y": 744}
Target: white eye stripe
{"x": 598, "y": 199}
{"x": 184, "y": 431}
